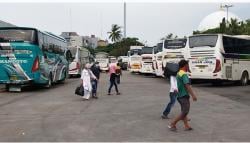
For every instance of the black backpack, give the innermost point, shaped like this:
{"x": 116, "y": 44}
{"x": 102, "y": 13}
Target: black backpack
{"x": 171, "y": 69}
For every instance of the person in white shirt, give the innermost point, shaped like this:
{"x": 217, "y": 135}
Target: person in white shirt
{"x": 172, "y": 95}
{"x": 86, "y": 77}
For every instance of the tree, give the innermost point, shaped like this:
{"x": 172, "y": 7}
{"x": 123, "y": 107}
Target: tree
{"x": 169, "y": 36}
{"x": 115, "y": 33}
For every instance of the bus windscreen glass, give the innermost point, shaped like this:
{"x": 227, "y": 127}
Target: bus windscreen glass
{"x": 175, "y": 44}
{"x": 203, "y": 41}
{"x": 17, "y": 35}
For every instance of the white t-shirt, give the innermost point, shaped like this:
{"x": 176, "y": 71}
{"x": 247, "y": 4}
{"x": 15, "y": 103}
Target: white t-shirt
{"x": 173, "y": 84}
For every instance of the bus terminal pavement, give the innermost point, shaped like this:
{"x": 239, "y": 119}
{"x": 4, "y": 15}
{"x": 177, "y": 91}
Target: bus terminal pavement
{"x": 37, "y": 114}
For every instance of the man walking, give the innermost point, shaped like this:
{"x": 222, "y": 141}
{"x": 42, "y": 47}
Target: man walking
{"x": 184, "y": 89}
{"x": 95, "y": 68}
{"x": 173, "y": 93}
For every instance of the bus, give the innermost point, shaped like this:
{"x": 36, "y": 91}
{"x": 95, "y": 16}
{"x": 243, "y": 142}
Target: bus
{"x": 134, "y": 58}
{"x": 157, "y": 60}
{"x": 123, "y": 61}
{"x": 147, "y": 61}
{"x": 102, "y": 58}
{"x": 29, "y": 56}
{"x": 81, "y": 56}
{"x": 219, "y": 57}
{"x": 174, "y": 50}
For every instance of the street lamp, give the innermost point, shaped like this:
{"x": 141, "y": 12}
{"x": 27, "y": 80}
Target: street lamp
{"x": 227, "y": 7}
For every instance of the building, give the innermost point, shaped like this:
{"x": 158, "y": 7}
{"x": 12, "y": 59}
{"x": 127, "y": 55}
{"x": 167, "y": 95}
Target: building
{"x": 68, "y": 35}
{"x": 90, "y": 41}
{"x": 102, "y": 43}
{"x": 6, "y": 24}
{"x": 214, "y": 19}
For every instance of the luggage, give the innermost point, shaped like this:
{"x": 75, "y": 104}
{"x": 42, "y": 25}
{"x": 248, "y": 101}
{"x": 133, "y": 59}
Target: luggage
{"x": 79, "y": 90}
{"x": 171, "y": 69}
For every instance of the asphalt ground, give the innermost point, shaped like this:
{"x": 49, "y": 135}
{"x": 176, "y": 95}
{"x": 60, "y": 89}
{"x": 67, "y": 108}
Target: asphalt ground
{"x": 38, "y": 114}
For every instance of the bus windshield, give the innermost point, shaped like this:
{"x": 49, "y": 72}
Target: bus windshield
{"x": 175, "y": 43}
{"x": 203, "y": 40}
{"x": 17, "y": 35}
{"x": 147, "y": 50}
{"x": 135, "y": 52}
{"x": 159, "y": 47}
{"x": 101, "y": 56}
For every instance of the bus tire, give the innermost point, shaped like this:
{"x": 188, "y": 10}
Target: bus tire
{"x": 49, "y": 84}
{"x": 244, "y": 79}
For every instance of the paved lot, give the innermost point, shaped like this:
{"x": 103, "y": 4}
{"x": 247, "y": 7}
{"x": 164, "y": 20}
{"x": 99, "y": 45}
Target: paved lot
{"x": 57, "y": 115}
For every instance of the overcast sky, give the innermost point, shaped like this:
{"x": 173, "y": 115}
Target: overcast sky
{"x": 147, "y": 21}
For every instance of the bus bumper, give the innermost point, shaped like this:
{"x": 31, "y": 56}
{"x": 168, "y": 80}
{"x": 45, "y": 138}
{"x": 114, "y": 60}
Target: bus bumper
{"x": 213, "y": 76}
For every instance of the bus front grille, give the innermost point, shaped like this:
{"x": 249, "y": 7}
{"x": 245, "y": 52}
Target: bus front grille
{"x": 228, "y": 71}
{"x": 207, "y": 53}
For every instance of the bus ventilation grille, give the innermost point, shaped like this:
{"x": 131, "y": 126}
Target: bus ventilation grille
{"x": 228, "y": 71}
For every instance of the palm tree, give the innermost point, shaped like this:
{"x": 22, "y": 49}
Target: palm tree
{"x": 115, "y": 33}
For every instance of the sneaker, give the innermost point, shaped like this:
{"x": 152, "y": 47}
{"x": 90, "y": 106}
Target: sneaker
{"x": 108, "y": 94}
{"x": 164, "y": 117}
{"x": 95, "y": 97}
{"x": 118, "y": 93}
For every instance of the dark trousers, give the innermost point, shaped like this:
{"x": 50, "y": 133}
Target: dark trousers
{"x": 118, "y": 79}
{"x": 113, "y": 83}
{"x": 171, "y": 103}
{"x": 94, "y": 87}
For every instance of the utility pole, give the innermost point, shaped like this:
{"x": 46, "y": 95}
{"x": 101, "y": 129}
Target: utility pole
{"x": 227, "y": 7}
{"x": 125, "y": 28}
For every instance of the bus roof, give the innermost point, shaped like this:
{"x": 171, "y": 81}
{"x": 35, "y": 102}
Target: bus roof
{"x": 30, "y": 28}
{"x": 233, "y": 36}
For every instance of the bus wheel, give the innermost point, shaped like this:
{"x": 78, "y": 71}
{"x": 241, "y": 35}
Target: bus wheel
{"x": 244, "y": 79}
{"x": 49, "y": 84}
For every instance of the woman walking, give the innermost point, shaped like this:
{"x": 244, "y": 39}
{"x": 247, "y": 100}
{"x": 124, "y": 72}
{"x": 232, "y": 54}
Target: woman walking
{"x": 112, "y": 74}
{"x": 86, "y": 77}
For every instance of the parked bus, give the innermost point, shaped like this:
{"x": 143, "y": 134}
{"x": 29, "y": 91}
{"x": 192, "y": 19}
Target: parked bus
{"x": 219, "y": 57}
{"x": 30, "y": 56}
{"x": 147, "y": 62}
{"x": 174, "y": 50}
{"x": 158, "y": 60}
{"x": 103, "y": 60}
{"x": 123, "y": 61}
{"x": 135, "y": 63}
{"x": 81, "y": 56}
{"x": 134, "y": 58}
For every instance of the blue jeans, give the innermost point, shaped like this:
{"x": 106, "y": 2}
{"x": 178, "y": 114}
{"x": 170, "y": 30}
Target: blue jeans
{"x": 94, "y": 86}
{"x": 167, "y": 110}
{"x": 113, "y": 83}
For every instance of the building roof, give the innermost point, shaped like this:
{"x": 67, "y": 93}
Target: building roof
{"x": 214, "y": 19}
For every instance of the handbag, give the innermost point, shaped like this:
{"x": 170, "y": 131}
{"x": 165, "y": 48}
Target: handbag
{"x": 79, "y": 90}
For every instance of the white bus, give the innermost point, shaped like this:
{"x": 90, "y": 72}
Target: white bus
{"x": 81, "y": 56}
{"x": 174, "y": 50}
{"x": 134, "y": 58}
{"x": 157, "y": 60}
{"x": 103, "y": 60}
{"x": 219, "y": 57}
{"x": 147, "y": 61}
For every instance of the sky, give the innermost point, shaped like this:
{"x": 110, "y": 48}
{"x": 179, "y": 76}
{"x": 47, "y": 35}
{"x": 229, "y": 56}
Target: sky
{"x": 147, "y": 21}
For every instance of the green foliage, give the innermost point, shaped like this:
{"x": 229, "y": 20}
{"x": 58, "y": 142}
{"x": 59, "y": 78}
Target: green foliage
{"x": 119, "y": 48}
{"x": 234, "y": 27}
{"x": 115, "y": 33}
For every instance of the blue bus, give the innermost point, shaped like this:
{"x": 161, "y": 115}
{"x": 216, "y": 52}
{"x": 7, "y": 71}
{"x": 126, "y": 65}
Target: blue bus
{"x": 29, "y": 56}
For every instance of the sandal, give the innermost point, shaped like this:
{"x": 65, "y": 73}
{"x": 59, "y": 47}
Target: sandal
{"x": 188, "y": 129}
{"x": 172, "y": 128}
